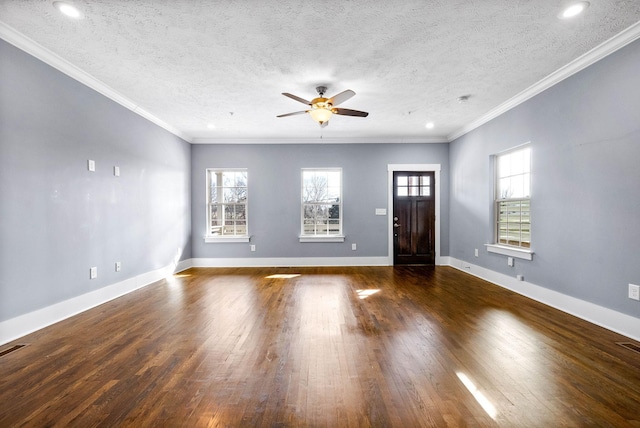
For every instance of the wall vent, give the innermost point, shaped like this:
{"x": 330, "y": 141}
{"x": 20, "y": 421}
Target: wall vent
{"x": 10, "y": 350}
{"x": 631, "y": 346}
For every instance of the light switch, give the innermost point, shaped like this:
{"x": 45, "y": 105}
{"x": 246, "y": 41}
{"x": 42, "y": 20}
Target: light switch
{"x": 91, "y": 165}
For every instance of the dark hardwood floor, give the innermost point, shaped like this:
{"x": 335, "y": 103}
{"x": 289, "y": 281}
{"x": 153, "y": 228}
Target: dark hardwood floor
{"x": 324, "y": 347}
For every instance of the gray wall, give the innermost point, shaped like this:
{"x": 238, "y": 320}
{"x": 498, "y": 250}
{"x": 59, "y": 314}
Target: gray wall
{"x": 585, "y": 139}
{"x": 274, "y": 195}
{"x": 56, "y": 218}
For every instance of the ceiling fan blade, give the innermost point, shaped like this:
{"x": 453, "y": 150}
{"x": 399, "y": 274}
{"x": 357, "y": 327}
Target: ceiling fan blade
{"x": 341, "y": 97}
{"x": 349, "y": 112}
{"x": 292, "y": 114}
{"x": 297, "y": 98}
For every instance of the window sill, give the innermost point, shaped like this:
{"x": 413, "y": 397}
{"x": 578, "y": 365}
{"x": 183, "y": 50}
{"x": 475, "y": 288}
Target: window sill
{"x": 225, "y": 239}
{"x": 519, "y": 253}
{"x": 328, "y": 238}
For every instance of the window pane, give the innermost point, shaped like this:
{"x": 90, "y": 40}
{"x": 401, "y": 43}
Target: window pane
{"x": 517, "y": 163}
{"x": 315, "y": 186}
{"x": 334, "y": 211}
{"x": 425, "y": 190}
{"x": 403, "y": 191}
{"x": 517, "y": 186}
{"x": 414, "y": 191}
{"x": 504, "y": 166}
{"x": 425, "y": 180}
{"x": 414, "y": 180}
{"x": 228, "y": 179}
{"x": 241, "y": 212}
{"x": 228, "y": 213}
{"x": 241, "y": 179}
{"x": 402, "y": 180}
{"x": 214, "y": 212}
{"x": 504, "y": 190}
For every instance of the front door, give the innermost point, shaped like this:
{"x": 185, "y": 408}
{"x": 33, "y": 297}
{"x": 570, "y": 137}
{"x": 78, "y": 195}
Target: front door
{"x": 413, "y": 218}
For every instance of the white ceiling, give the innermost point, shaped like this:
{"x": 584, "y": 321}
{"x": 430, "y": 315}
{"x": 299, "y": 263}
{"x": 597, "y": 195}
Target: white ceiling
{"x": 189, "y": 63}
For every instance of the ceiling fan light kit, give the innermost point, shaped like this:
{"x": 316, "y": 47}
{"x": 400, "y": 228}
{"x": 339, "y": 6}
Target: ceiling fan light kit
{"x": 320, "y": 114}
{"x": 323, "y": 108}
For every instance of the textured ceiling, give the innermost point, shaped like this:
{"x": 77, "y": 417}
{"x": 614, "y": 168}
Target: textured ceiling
{"x": 194, "y": 62}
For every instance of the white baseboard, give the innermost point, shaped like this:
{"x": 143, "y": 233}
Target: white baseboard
{"x": 291, "y": 261}
{"x": 22, "y": 325}
{"x": 599, "y": 315}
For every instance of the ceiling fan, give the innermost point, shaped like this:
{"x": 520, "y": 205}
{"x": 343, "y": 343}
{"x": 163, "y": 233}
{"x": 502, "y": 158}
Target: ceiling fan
{"x": 322, "y": 108}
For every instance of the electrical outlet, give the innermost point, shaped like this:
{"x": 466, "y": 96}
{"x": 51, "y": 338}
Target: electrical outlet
{"x": 253, "y": 247}
{"x": 116, "y": 171}
{"x": 91, "y": 165}
{"x": 476, "y": 252}
{"x": 634, "y": 292}
{"x": 354, "y": 247}
{"x": 118, "y": 266}
{"x": 510, "y": 261}
{"x": 520, "y": 277}
{"x": 93, "y": 272}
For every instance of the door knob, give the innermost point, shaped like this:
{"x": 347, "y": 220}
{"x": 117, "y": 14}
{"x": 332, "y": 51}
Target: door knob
{"x": 396, "y": 225}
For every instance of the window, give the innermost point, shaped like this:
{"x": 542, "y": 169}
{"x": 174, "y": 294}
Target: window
{"x": 513, "y": 198}
{"x": 227, "y": 205}
{"x": 321, "y": 205}
{"x": 413, "y": 185}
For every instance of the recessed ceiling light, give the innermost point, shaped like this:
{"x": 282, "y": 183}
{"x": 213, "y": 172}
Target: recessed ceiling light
{"x": 573, "y": 10}
{"x": 429, "y": 125}
{"x": 67, "y": 9}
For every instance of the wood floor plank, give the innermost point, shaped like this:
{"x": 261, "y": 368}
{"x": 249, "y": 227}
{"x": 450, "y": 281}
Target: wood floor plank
{"x": 321, "y": 347}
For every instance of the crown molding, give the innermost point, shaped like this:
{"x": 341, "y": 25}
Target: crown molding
{"x": 22, "y": 42}
{"x": 604, "y": 49}
{"x": 342, "y": 140}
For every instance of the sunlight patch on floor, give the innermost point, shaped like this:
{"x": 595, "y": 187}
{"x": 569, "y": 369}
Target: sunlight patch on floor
{"x": 363, "y": 294}
{"x": 282, "y": 276}
{"x": 479, "y": 396}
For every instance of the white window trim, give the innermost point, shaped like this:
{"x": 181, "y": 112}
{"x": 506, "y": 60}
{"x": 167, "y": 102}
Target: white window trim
{"x": 517, "y": 252}
{"x": 320, "y": 238}
{"x": 224, "y": 239}
{"x": 214, "y": 239}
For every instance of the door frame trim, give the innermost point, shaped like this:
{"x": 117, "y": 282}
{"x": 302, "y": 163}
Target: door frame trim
{"x": 426, "y": 167}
